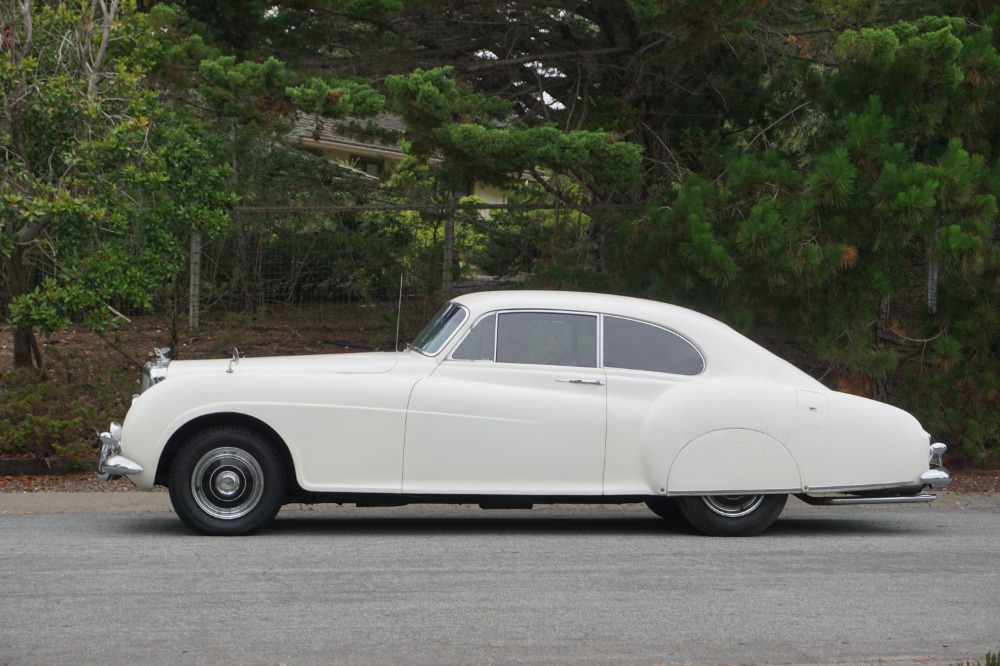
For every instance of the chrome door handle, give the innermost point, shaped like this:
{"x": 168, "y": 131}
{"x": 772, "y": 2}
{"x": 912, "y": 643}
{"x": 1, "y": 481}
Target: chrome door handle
{"x": 592, "y": 382}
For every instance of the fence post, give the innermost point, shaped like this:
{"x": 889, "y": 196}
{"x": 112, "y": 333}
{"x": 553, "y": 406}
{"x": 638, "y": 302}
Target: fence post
{"x": 449, "y": 252}
{"x": 194, "y": 282}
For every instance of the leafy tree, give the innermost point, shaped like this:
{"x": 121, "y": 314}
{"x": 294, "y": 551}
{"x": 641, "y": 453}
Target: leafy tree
{"x": 824, "y": 169}
{"x": 874, "y": 242}
{"x": 645, "y": 72}
{"x": 102, "y": 184}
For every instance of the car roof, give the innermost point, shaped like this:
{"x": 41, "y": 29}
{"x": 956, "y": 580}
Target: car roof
{"x": 727, "y": 352}
{"x": 626, "y": 306}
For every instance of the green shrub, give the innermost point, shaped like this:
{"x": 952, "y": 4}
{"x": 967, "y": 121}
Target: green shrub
{"x": 991, "y": 660}
{"x": 54, "y": 413}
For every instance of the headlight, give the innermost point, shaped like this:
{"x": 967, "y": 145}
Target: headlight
{"x": 154, "y": 371}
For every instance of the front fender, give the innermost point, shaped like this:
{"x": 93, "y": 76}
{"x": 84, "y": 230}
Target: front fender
{"x": 343, "y": 431}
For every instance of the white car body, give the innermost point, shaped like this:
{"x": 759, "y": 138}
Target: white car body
{"x": 418, "y": 425}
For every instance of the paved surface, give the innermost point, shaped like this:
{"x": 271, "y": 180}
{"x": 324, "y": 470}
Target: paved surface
{"x": 114, "y": 578}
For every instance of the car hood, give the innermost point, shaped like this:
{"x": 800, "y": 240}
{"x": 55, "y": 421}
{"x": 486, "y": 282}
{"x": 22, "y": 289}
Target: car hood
{"x": 365, "y": 363}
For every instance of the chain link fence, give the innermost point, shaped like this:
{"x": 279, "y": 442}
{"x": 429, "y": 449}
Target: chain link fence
{"x": 315, "y": 261}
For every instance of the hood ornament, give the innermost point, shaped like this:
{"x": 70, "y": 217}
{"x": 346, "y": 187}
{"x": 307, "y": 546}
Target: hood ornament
{"x": 234, "y": 360}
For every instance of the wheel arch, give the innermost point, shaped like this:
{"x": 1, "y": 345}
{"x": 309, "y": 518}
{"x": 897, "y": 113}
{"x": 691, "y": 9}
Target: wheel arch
{"x": 753, "y": 462}
{"x": 206, "y": 421}
{"x": 694, "y": 432}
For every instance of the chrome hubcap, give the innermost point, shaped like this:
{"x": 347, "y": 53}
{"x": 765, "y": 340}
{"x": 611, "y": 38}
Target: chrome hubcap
{"x": 227, "y": 483}
{"x": 733, "y": 506}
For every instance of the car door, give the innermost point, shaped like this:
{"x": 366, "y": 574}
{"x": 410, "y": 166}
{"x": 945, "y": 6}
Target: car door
{"x": 519, "y": 408}
{"x": 644, "y": 363}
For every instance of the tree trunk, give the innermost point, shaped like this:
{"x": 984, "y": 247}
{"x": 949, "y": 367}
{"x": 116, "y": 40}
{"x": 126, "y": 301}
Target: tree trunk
{"x": 26, "y": 351}
{"x": 932, "y": 277}
{"x": 881, "y": 383}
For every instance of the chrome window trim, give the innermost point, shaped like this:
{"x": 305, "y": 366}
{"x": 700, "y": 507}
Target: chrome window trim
{"x": 583, "y": 313}
{"x": 468, "y": 332}
{"x": 447, "y": 341}
{"x": 704, "y": 361}
{"x": 496, "y": 332}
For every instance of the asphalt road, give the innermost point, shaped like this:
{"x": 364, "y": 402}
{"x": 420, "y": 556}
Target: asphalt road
{"x": 114, "y": 578}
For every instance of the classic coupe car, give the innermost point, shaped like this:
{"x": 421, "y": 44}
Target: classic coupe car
{"x": 514, "y": 398}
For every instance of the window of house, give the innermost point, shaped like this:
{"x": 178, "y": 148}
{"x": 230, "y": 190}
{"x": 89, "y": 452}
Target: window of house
{"x": 370, "y": 166}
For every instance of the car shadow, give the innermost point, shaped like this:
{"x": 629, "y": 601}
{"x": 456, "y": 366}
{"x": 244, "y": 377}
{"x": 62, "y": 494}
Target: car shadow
{"x": 419, "y": 525}
{"x": 361, "y": 522}
{"x": 582, "y": 525}
{"x": 798, "y": 527}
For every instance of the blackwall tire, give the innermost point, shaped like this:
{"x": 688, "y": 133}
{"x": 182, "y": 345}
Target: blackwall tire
{"x": 227, "y": 481}
{"x": 666, "y": 508}
{"x": 731, "y": 515}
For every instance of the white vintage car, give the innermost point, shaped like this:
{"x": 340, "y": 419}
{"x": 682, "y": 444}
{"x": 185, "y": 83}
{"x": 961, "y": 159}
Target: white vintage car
{"x": 508, "y": 399}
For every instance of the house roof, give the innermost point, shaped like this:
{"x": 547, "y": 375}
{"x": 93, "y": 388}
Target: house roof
{"x": 380, "y": 133}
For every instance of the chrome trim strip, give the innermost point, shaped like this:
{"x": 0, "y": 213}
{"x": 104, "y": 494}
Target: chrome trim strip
{"x": 860, "y": 487}
{"x": 754, "y": 491}
{"x": 838, "y": 501}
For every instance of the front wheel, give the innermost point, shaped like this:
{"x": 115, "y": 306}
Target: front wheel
{"x": 731, "y": 515}
{"x": 227, "y": 481}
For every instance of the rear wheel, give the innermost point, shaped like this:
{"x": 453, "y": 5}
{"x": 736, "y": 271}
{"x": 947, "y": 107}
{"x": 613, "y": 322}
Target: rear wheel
{"x": 227, "y": 481}
{"x": 666, "y": 508}
{"x": 731, "y": 515}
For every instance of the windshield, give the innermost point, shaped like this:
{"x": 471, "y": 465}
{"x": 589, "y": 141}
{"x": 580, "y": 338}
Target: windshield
{"x": 440, "y": 329}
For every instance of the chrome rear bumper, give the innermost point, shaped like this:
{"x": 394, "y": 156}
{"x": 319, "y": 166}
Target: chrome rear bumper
{"x": 938, "y": 475}
{"x": 935, "y": 478}
{"x": 847, "y": 499}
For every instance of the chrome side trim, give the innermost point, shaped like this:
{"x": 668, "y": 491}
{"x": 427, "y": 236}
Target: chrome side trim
{"x": 837, "y": 501}
{"x": 742, "y": 491}
{"x": 861, "y": 488}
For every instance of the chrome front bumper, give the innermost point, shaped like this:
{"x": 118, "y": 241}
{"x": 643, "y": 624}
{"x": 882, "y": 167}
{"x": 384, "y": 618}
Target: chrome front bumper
{"x": 112, "y": 464}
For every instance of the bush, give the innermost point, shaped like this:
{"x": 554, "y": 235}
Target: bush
{"x": 991, "y": 660}
{"x": 52, "y": 413}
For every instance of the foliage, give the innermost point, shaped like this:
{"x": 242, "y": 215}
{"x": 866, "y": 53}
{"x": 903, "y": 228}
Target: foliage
{"x": 990, "y": 660}
{"x": 51, "y": 413}
{"x": 824, "y": 172}
{"x": 269, "y": 260}
{"x": 102, "y": 183}
{"x": 824, "y": 242}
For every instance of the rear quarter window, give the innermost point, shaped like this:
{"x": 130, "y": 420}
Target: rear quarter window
{"x": 635, "y": 345}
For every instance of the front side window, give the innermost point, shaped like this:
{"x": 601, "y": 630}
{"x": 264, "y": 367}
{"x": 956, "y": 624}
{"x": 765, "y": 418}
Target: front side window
{"x": 480, "y": 343}
{"x": 547, "y": 338}
{"x": 634, "y": 345}
{"x": 437, "y": 332}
